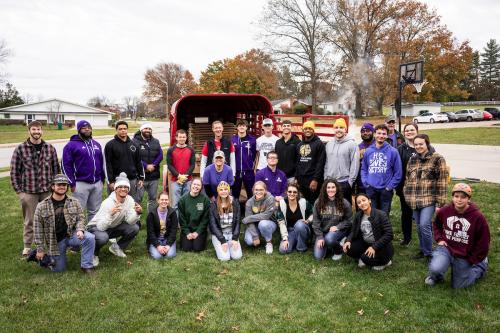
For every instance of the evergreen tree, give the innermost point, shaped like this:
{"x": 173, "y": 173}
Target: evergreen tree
{"x": 490, "y": 69}
{"x": 9, "y": 96}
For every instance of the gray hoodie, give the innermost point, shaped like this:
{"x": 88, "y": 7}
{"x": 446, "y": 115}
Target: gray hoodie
{"x": 342, "y": 159}
{"x": 256, "y": 211}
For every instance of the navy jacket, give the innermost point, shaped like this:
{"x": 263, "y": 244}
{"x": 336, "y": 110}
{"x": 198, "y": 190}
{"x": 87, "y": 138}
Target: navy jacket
{"x": 151, "y": 153}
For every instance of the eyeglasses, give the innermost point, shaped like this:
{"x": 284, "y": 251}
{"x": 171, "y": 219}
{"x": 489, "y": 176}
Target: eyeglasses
{"x": 272, "y": 158}
{"x": 292, "y": 192}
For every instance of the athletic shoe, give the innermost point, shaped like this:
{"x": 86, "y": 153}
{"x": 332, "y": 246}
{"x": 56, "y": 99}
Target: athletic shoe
{"x": 361, "y": 264}
{"x": 429, "y": 281}
{"x": 117, "y": 251}
{"x": 95, "y": 261}
{"x": 26, "y": 252}
{"x": 405, "y": 242}
{"x": 269, "y": 248}
{"x": 381, "y": 268}
{"x": 337, "y": 257}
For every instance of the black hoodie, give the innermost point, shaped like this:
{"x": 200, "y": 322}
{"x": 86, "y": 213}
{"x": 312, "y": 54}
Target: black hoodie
{"x": 287, "y": 154}
{"x": 311, "y": 159}
{"x": 122, "y": 156}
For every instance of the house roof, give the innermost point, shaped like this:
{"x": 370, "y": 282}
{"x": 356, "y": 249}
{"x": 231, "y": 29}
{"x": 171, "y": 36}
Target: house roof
{"x": 32, "y": 107}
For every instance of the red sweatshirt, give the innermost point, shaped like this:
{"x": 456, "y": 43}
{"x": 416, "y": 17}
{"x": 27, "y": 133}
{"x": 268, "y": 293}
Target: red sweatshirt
{"x": 467, "y": 235}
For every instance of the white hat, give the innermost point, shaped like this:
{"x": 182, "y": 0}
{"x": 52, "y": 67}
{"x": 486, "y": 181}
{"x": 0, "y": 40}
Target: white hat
{"x": 145, "y": 125}
{"x": 122, "y": 180}
{"x": 267, "y": 121}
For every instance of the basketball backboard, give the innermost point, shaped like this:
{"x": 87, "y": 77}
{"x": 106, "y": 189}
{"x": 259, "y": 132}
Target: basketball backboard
{"x": 412, "y": 72}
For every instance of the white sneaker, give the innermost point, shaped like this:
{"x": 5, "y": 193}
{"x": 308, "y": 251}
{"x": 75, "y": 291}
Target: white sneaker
{"x": 269, "y": 248}
{"x": 337, "y": 257}
{"x": 381, "y": 268}
{"x": 95, "y": 261}
{"x": 429, "y": 281}
{"x": 117, "y": 251}
{"x": 361, "y": 264}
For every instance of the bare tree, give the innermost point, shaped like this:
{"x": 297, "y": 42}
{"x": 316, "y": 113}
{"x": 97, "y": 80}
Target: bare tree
{"x": 131, "y": 105}
{"x": 99, "y": 101}
{"x": 54, "y": 110}
{"x": 5, "y": 52}
{"x": 294, "y": 34}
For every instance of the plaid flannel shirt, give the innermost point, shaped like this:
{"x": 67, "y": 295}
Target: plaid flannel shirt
{"x": 426, "y": 181}
{"x": 30, "y": 174}
{"x": 45, "y": 223}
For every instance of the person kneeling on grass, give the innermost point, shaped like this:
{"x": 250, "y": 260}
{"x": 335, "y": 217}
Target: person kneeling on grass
{"x": 370, "y": 240}
{"x": 332, "y": 216}
{"x": 194, "y": 209}
{"x": 258, "y": 212}
{"x": 225, "y": 224}
{"x": 463, "y": 238}
{"x": 118, "y": 216}
{"x": 294, "y": 216}
{"x": 59, "y": 222}
{"x": 162, "y": 229}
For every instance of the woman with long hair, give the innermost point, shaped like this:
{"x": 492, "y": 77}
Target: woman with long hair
{"x": 294, "y": 216}
{"x": 331, "y": 220}
{"x": 225, "y": 224}
{"x": 259, "y": 210}
{"x": 162, "y": 229}
{"x": 370, "y": 240}
{"x": 425, "y": 190}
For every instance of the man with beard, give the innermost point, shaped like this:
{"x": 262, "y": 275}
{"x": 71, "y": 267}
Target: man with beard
{"x": 367, "y": 131}
{"x": 151, "y": 156}
{"x": 310, "y": 163}
{"x": 33, "y": 166}
{"x": 342, "y": 161}
{"x": 83, "y": 164}
{"x": 122, "y": 155}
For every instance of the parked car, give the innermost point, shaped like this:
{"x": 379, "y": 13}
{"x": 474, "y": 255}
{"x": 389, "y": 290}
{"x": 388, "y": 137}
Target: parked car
{"x": 495, "y": 112}
{"x": 451, "y": 116}
{"x": 487, "y": 115}
{"x": 431, "y": 117}
{"x": 469, "y": 115}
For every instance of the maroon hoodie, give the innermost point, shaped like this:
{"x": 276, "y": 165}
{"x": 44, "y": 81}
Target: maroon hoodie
{"x": 467, "y": 235}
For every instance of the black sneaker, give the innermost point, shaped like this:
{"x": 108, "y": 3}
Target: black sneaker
{"x": 405, "y": 242}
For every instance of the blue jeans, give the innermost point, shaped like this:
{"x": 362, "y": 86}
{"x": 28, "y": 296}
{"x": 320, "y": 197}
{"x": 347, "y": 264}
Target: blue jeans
{"x": 178, "y": 191}
{"x": 230, "y": 253}
{"x": 297, "y": 238}
{"x": 381, "y": 198}
{"x": 266, "y": 228}
{"x": 87, "y": 245}
{"x": 423, "y": 218}
{"x": 172, "y": 252}
{"x": 463, "y": 274}
{"x": 332, "y": 241}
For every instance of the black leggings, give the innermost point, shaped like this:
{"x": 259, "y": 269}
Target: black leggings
{"x": 382, "y": 256}
{"x": 196, "y": 245}
{"x": 406, "y": 218}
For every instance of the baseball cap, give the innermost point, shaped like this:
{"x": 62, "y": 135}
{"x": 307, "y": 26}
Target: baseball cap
{"x": 60, "y": 179}
{"x": 219, "y": 153}
{"x": 390, "y": 118}
{"x": 462, "y": 187}
{"x": 267, "y": 121}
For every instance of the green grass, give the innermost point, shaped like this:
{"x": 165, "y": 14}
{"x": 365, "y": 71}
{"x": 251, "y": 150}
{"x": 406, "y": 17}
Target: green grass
{"x": 260, "y": 293}
{"x": 465, "y": 136}
{"x": 18, "y": 133}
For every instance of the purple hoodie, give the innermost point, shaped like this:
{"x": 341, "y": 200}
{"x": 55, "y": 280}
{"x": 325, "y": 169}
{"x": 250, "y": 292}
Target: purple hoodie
{"x": 82, "y": 161}
{"x": 276, "y": 182}
{"x": 246, "y": 151}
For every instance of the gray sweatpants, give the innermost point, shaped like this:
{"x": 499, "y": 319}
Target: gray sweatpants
{"x": 89, "y": 196}
{"x": 151, "y": 187}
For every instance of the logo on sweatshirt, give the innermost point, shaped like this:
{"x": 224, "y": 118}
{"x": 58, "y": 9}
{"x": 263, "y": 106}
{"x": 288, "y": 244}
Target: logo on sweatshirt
{"x": 199, "y": 206}
{"x": 377, "y": 163}
{"x": 305, "y": 150}
{"x": 457, "y": 229}
{"x": 132, "y": 148}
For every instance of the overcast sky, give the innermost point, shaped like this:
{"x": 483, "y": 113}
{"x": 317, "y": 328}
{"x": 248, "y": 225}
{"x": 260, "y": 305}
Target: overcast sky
{"x": 78, "y": 49}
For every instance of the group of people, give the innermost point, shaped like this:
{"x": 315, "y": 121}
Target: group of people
{"x": 302, "y": 187}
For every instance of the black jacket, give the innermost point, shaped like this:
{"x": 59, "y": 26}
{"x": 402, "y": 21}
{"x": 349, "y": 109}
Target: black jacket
{"x": 153, "y": 226}
{"x": 311, "y": 157}
{"x": 215, "y": 227}
{"x": 287, "y": 154}
{"x": 150, "y": 153}
{"x": 382, "y": 229}
{"x": 122, "y": 157}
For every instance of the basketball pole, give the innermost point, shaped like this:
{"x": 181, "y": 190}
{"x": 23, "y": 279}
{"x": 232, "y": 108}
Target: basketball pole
{"x": 398, "y": 103}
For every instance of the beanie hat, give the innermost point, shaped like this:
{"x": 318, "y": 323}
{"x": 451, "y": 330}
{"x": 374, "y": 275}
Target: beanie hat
{"x": 368, "y": 126}
{"x": 122, "y": 180}
{"x": 308, "y": 124}
{"x": 82, "y": 123}
{"x": 60, "y": 179}
{"x": 223, "y": 185}
{"x": 145, "y": 125}
{"x": 340, "y": 122}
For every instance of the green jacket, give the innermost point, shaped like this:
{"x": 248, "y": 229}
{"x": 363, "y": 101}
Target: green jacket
{"x": 44, "y": 223}
{"x": 194, "y": 213}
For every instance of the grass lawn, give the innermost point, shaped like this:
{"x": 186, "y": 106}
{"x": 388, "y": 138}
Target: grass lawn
{"x": 18, "y": 133}
{"x": 465, "y": 136}
{"x": 259, "y": 293}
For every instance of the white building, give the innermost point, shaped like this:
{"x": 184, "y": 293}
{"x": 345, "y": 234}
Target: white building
{"x": 57, "y": 110}
{"x": 413, "y": 110}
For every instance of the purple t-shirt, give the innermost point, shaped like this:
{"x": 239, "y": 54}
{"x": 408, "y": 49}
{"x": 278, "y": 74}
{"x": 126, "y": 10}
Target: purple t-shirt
{"x": 276, "y": 182}
{"x": 212, "y": 178}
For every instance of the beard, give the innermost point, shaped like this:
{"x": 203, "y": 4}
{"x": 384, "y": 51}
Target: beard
{"x": 86, "y": 136}
{"x": 367, "y": 138}
{"x": 146, "y": 135}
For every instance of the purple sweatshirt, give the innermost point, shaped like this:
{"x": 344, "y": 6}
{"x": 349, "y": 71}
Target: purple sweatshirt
{"x": 276, "y": 182}
{"x": 212, "y": 178}
{"x": 246, "y": 150}
{"x": 82, "y": 161}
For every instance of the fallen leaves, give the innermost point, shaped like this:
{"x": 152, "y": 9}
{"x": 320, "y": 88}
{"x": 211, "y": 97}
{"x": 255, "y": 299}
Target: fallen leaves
{"x": 129, "y": 264}
{"x": 386, "y": 312}
{"x": 224, "y": 272}
{"x": 201, "y": 315}
{"x": 343, "y": 284}
{"x": 479, "y": 306}
{"x": 380, "y": 295}
{"x": 360, "y": 312}
{"x": 235, "y": 328}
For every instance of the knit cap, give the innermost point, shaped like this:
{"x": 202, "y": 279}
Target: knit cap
{"x": 308, "y": 124}
{"x": 340, "y": 122}
{"x": 122, "y": 180}
{"x": 82, "y": 123}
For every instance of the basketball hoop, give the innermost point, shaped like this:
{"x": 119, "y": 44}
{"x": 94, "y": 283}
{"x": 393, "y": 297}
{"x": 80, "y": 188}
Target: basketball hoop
{"x": 419, "y": 86}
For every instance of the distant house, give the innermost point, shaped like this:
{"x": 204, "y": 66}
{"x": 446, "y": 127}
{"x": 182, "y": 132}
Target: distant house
{"x": 285, "y": 105}
{"x": 412, "y": 110}
{"x": 56, "y": 110}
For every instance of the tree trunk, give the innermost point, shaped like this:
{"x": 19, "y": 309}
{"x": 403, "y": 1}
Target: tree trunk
{"x": 358, "y": 109}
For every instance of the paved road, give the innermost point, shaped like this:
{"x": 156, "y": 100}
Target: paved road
{"x": 466, "y": 161}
